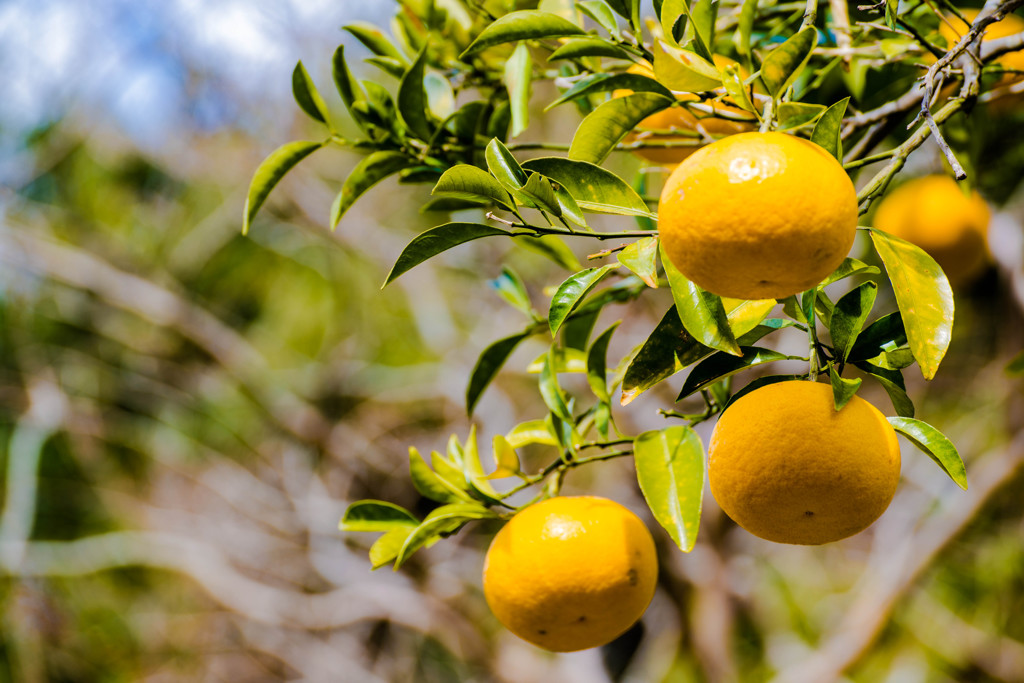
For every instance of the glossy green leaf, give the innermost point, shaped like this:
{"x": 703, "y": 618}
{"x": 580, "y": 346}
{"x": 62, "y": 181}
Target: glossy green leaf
{"x": 376, "y": 515}
{"x": 578, "y": 48}
{"x": 449, "y": 204}
{"x": 594, "y": 188}
{"x": 269, "y": 173}
{"x": 701, "y": 312}
{"x": 935, "y": 444}
{"x": 605, "y": 127}
{"x": 531, "y": 432}
{"x": 892, "y": 382}
{"x": 828, "y": 129}
{"x": 670, "y": 470}
{"x": 897, "y": 359}
{"x": 540, "y": 193}
{"x": 721, "y": 365}
{"x": 746, "y": 314}
{"x": 471, "y": 182}
{"x": 522, "y": 25}
{"x": 306, "y": 94}
{"x": 848, "y": 317}
{"x": 386, "y": 548}
{"x": 737, "y": 89}
{"x": 436, "y": 240}
{"x": 518, "y": 70}
{"x": 609, "y": 82}
{"x": 552, "y": 394}
{"x": 597, "y": 359}
{"x": 782, "y": 65}
{"x": 924, "y": 297}
{"x": 511, "y": 288}
{"x": 552, "y": 247}
{"x": 347, "y": 85}
{"x": 577, "y": 328}
{"x": 473, "y": 471}
{"x": 757, "y": 384}
{"x": 848, "y": 268}
{"x": 448, "y": 468}
{"x": 571, "y": 291}
{"x": 886, "y": 333}
{"x": 600, "y": 12}
{"x": 669, "y": 15}
{"x": 445, "y": 519}
{"x": 504, "y": 166}
{"x": 641, "y": 258}
{"x": 843, "y": 389}
{"x": 506, "y": 461}
{"x": 375, "y": 41}
{"x": 430, "y": 484}
{"x": 388, "y": 65}
{"x": 488, "y": 365}
{"x": 793, "y": 115}
{"x": 683, "y": 70}
{"x": 412, "y": 100}
{"x": 567, "y": 205}
{"x": 367, "y": 173}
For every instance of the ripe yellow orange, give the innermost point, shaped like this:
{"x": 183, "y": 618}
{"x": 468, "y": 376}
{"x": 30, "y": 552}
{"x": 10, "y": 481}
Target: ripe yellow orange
{"x": 659, "y": 126}
{"x": 571, "y": 572}
{"x": 935, "y": 214}
{"x": 758, "y": 216}
{"x": 785, "y": 466}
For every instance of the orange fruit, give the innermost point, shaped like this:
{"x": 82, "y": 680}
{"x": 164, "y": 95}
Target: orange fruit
{"x": 758, "y": 216}
{"x": 571, "y": 572}
{"x": 785, "y": 466}
{"x": 933, "y": 213}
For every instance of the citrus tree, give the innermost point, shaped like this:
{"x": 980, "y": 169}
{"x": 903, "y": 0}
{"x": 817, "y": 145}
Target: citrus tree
{"x": 787, "y": 121}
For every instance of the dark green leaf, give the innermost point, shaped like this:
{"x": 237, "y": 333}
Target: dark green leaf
{"x": 597, "y": 358}
{"x": 897, "y": 359}
{"x": 348, "y": 87}
{"x": 793, "y": 115}
{"x": 670, "y": 470}
{"x": 504, "y": 166}
{"x": 842, "y": 389}
{"x": 488, "y": 365}
{"x": 269, "y": 173}
{"x": 367, "y": 173}
{"x": 641, "y": 258}
{"x": 848, "y": 317}
{"x": 924, "y": 297}
{"x": 607, "y": 82}
{"x": 376, "y": 515}
{"x": 828, "y": 128}
{"x": 449, "y": 204}
{"x": 577, "y": 328}
{"x": 522, "y": 25}
{"x": 782, "y": 65}
{"x": 578, "y": 48}
{"x": 605, "y": 127}
{"x": 892, "y": 382}
{"x": 722, "y": 365}
{"x": 436, "y": 240}
{"x": 552, "y": 393}
{"x": 683, "y": 70}
{"x": 701, "y": 312}
{"x": 445, "y": 519}
{"x": 886, "y": 333}
{"x": 432, "y": 485}
{"x": 935, "y": 444}
{"x": 569, "y": 293}
{"x": 1015, "y": 368}
{"x": 375, "y": 41}
{"x": 594, "y": 188}
{"x": 306, "y": 94}
{"x": 667, "y": 350}
{"x": 848, "y": 268}
{"x": 511, "y": 288}
{"x": 412, "y": 100}
{"x": 471, "y": 182}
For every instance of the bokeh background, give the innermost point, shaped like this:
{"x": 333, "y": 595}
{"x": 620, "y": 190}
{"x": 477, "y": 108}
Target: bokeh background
{"x": 186, "y": 412}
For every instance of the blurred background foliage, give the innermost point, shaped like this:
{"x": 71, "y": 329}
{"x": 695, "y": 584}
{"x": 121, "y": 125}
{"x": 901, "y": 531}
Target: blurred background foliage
{"x": 185, "y": 412}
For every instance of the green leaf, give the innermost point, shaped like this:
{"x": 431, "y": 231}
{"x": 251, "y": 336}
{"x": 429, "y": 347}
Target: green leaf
{"x": 473, "y": 470}
{"x": 376, "y": 515}
{"x": 386, "y": 548}
{"x": 721, "y": 365}
{"x": 375, "y": 41}
{"x": 683, "y": 70}
{"x": 348, "y": 87}
{"x": 607, "y": 125}
{"x": 569, "y": 293}
{"x": 518, "y": 70}
{"x": 842, "y": 389}
{"x": 828, "y": 129}
{"x": 601, "y": 13}
{"x": 669, "y": 15}
{"x": 758, "y": 383}
{"x": 703, "y": 14}
{"x": 923, "y": 295}
{"x": 436, "y": 240}
{"x": 307, "y": 96}
{"x": 848, "y": 317}
{"x": 848, "y": 268}
{"x": 782, "y": 65}
{"x": 744, "y": 28}
{"x": 510, "y": 287}
{"x": 892, "y": 382}
{"x": 432, "y": 485}
{"x": 444, "y": 520}
{"x": 506, "y": 461}
{"x": 1015, "y": 368}
{"x": 388, "y": 65}
{"x": 470, "y": 182}
{"x": 539, "y": 191}
{"x": 577, "y": 328}
{"x": 367, "y": 173}
{"x": 595, "y": 189}
{"x": 578, "y": 48}
{"x": 531, "y": 432}
{"x": 897, "y": 359}
{"x": 412, "y": 100}
{"x": 641, "y": 258}
{"x": 886, "y": 333}
{"x": 745, "y": 314}
{"x": 737, "y": 89}
{"x": 488, "y": 365}
{"x": 597, "y": 359}
{"x": 551, "y": 392}
{"x": 670, "y": 470}
{"x": 701, "y": 312}
{"x": 522, "y": 25}
{"x": 607, "y": 82}
{"x": 504, "y": 166}
{"x": 935, "y": 445}
{"x": 450, "y": 204}
{"x": 552, "y": 247}
{"x": 792, "y": 115}
{"x": 269, "y": 173}
{"x": 891, "y": 7}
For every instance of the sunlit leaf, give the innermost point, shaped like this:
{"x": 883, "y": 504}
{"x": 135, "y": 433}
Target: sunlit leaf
{"x": 531, "y": 432}
{"x": 504, "y": 166}
{"x": 594, "y": 188}
{"x": 737, "y": 89}
{"x": 793, "y": 115}
{"x": 367, "y": 173}
{"x": 703, "y": 14}
{"x": 412, "y": 100}
{"x": 600, "y": 12}
{"x": 506, "y": 461}
{"x": 605, "y": 127}
{"x": 522, "y": 25}
{"x": 552, "y": 394}
{"x": 828, "y": 128}
{"x": 443, "y": 520}
{"x": 471, "y": 182}
{"x": 848, "y": 317}
{"x": 569, "y": 293}
{"x": 782, "y": 65}
{"x": 843, "y": 389}
{"x": 566, "y": 359}
{"x": 347, "y": 85}
{"x": 683, "y": 70}
{"x": 701, "y": 312}
{"x": 375, "y": 41}
{"x": 306, "y": 94}
{"x": 376, "y": 515}
{"x": 432, "y": 485}
{"x": 608, "y": 82}
{"x": 935, "y": 444}
{"x": 744, "y": 28}
{"x": 540, "y": 193}
{"x": 436, "y": 240}
{"x": 670, "y": 470}
{"x": 924, "y": 297}
{"x": 886, "y": 333}
{"x": 641, "y": 258}
{"x": 722, "y": 365}
{"x": 488, "y": 365}
{"x": 578, "y": 48}
{"x": 518, "y": 69}
{"x": 269, "y": 173}
{"x": 848, "y": 268}
{"x": 386, "y": 548}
